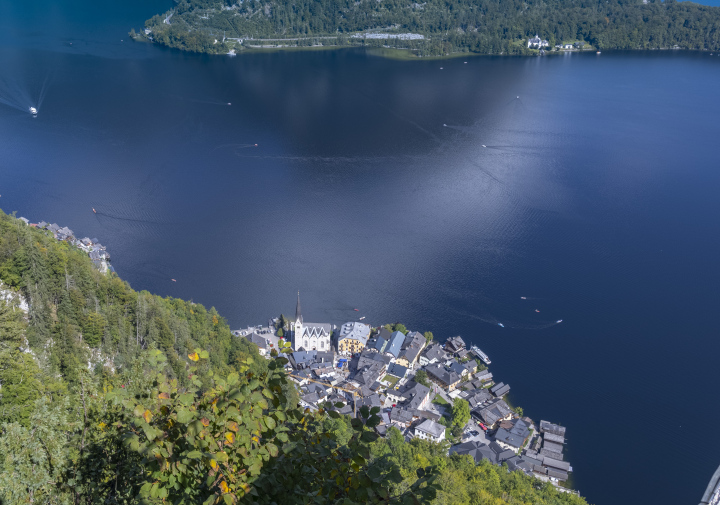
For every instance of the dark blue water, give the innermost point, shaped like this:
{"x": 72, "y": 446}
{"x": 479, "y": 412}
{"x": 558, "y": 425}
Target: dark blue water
{"x": 595, "y": 197}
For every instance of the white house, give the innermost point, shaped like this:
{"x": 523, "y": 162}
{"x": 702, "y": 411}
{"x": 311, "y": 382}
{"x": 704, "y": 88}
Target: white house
{"x": 430, "y": 430}
{"x": 310, "y": 336}
{"x": 537, "y": 43}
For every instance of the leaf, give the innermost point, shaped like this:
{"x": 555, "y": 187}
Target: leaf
{"x": 232, "y": 379}
{"x": 205, "y": 421}
{"x": 164, "y": 396}
{"x": 194, "y": 356}
{"x": 187, "y": 398}
{"x": 224, "y": 487}
{"x": 230, "y": 437}
{"x": 147, "y": 415}
{"x": 184, "y": 416}
{"x": 272, "y": 450}
{"x": 222, "y": 457}
{"x": 194, "y": 455}
{"x": 204, "y": 354}
{"x": 138, "y": 410}
{"x": 269, "y": 422}
{"x": 227, "y": 499}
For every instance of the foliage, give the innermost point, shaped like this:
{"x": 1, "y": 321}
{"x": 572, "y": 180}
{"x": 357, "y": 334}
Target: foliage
{"x": 421, "y": 377}
{"x": 460, "y": 412}
{"x": 479, "y": 26}
{"x": 428, "y": 337}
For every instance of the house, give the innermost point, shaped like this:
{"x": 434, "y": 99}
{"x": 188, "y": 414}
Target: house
{"x": 42, "y": 224}
{"x": 430, "y": 430}
{"x": 500, "y": 389}
{"x": 401, "y": 416}
{"x": 397, "y": 370}
{"x": 411, "y": 347}
{"x": 395, "y": 343}
{"x": 24, "y": 220}
{"x": 478, "y": 397}
{"x": 379, "y": 343}
{"x": 513, "y": 436}
{"x": 477, "y": 450}
{"x": 470, "y": 366}
{"x": 492, "y": 413}
{"x": 567, "y": 46}
{"x": 258, "y": 340}
{"x": 454, "y": 344}
{"x": 446, "y": 379}
{"x": 302, "y": 359}
{"x": 310, "y": 336}
{"x": 484, "y": 375}
{"x": 456, "y": 367}
{"x": 412, "y": 395}
{"x": 352, "y": 337}
{"x": 433, "y": 354}
{"x": 548, "y": 427}
{"x": 537, "y": 43}
{"x": 579, "y": 45}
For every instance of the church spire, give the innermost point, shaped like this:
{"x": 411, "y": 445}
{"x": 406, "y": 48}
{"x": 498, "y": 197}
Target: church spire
{"x": 298, "y": 315}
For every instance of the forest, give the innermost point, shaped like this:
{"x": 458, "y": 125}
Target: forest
{"x": 449, "y": 26}
{"x": 113, "y": 396}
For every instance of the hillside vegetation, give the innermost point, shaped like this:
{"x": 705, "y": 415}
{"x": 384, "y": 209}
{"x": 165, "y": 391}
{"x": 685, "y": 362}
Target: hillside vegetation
{"x": 479, "y": 26}
{"x": 113, "y": 396}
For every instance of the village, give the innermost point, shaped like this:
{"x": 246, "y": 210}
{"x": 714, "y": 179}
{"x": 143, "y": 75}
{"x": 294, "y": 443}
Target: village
{"x": 421, "y": 387}
{"x": 92, "y": 246}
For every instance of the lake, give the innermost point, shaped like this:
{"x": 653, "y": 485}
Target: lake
{"x": 434, "y": 193}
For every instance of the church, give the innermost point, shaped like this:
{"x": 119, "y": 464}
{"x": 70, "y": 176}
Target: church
{"x": 310, "y": 336}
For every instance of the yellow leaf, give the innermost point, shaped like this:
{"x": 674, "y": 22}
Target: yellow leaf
{"x": 205, "y": 421}
{"x": 147, "y": 415}
{"x": 194, "y": 356}
{"x": 164, "y": 396}
{"x": 224, "y": 487}
{"x": 232, "y": 426}
{"x": 101, "y": 426}
{"x": 230, "y": 437}
{"x": 213, "y": 464}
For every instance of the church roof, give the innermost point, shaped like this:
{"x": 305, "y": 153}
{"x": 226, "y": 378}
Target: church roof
{"x": 298, "y": 314}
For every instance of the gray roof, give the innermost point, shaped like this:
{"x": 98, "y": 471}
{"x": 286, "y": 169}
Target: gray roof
{"x": 454, "y": 344}
{"x": 354, "y": 330}
{"x": 397, "y": 370}
{"x": 457, "y": 367}
{"x": 256, "y": 339}
{"x": 378, "y": 343}
{"x": 554, "y": 463}
{"x": 553, "y": 437}
{"x": 439, "y": 372}
{"x": 558, "y": 474}
{"x": 395, "y": 343}
{"x": 435, "y": 352}
{"x": 477, "y": 450}
{"x": 401, "y": 415}
{"x": 305, "y": 358}
{"x": 413, "y": 393}
{"x": 431, "y": 427}
{"x": 411, "y": 347}
{"x": 505, "y": 389}
{"x": 478, "y": 397}
{"x": 552, "y": 446}
{"x": 505, "y": 455}
{"x": 508, "y": 438}
{"x": 470, "y": 365}
{"x": 548, "y": 427}
{"x": 493, "y": 412}
{"x": 551, "y": 454}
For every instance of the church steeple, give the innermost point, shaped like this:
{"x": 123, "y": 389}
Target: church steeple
{"x": 298, "y": 314}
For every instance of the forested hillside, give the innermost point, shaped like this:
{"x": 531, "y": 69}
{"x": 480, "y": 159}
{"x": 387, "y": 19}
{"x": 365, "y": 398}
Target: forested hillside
{"x": 112, "y": 396}
{"x": 480, "y": 26}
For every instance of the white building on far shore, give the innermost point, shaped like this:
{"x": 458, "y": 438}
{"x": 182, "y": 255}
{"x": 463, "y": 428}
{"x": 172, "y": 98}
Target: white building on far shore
{"x": 537, "y": 43}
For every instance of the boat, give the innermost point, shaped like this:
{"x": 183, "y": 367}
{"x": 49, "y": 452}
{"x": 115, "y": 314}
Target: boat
{"x": 229, "y": 103}
{"x": 33, "y": 111}
{"x": 558, "y": 321}
{"x": 484, "y": 145}
{"x": 362, "y": 318}
{"x": 94, "y": 210}
{"x": 444, "y": 124}
{"x": 536, "y": 310}
{"x": 356, "y": 310}
{"x": 523, "y": 298}
{"x": 477, "y": 352}
{"x": 598, "y": 52}
{"x": 173, "y": 280}
{"x": 501, "y": 325}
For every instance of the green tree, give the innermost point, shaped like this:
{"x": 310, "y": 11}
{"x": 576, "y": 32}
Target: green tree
{"x": 428, "y": 337}
{"x": 421, "y": 377}
{"x": 460, "y": 412}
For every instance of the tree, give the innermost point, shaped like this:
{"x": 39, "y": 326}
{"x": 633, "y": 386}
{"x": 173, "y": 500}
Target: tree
{"x": 421, "y": 377}
{"x": 428, "y": 337}
{"x": 460, "y": 412}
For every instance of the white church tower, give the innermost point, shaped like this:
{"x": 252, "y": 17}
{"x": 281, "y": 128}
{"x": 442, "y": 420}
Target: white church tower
{"x": 310, "y": 336}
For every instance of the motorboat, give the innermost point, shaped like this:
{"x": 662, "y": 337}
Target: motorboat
{"x": 558, "y": 321}
{"x": 362, "y": 318}
{"x": 33, "y": 111}
{"x": 94, "y": 211}
{"x": 523, "y": 297}
{"x": 484, "y": 145}
{"x": 501, "y": 325}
